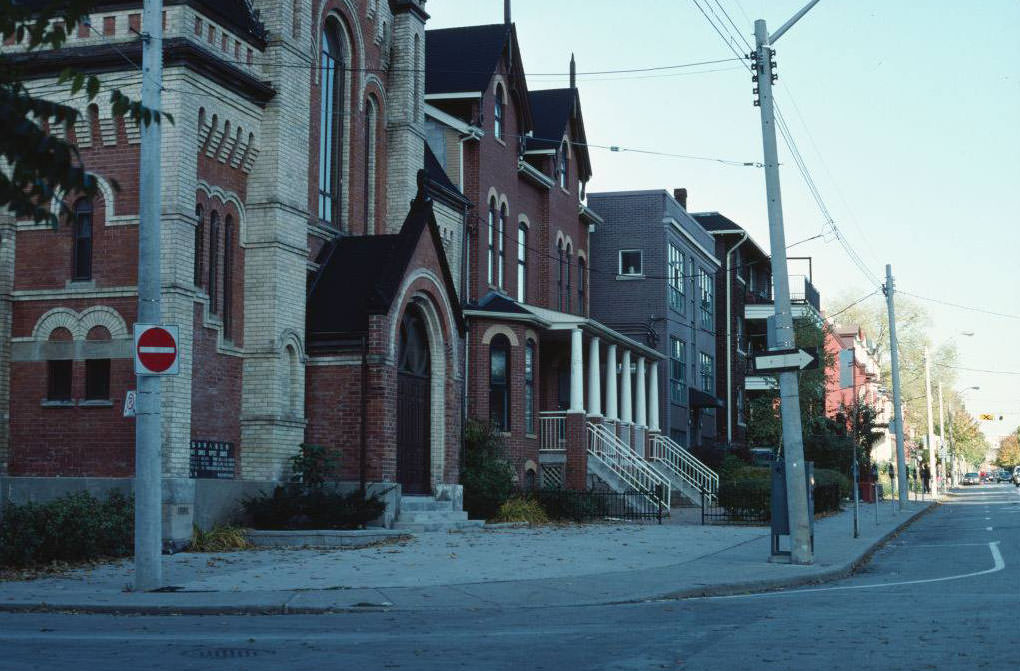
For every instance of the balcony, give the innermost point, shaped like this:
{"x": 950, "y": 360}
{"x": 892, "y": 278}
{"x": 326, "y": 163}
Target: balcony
{"x": 804, "y": 301}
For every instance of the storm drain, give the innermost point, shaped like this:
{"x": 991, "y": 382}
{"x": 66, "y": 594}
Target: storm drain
{"x": 227, "y": 653}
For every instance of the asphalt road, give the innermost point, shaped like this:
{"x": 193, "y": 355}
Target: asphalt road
{"x": 942, "y": 595}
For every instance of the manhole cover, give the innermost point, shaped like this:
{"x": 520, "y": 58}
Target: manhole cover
{"x": 227, "y": 653}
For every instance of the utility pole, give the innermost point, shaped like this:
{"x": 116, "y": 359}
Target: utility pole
{"x": 901, "y": 457}
{"x": 942, "y": 440}
{"x": 148, "y": 458}
{"x": 931, "y": 422}
{"x": 801, "y": 551}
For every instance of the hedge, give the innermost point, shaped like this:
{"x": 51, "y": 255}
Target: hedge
{"x": 75, "y": 527}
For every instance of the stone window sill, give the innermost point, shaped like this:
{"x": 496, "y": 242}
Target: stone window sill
{"x": 630, "y": 277}
{"x": 96, "y": 403}
{"x": 57, "y": 404}
{"x": 533, "y": 436}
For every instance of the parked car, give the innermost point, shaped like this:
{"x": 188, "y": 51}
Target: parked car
{"x": 1005, "y": 476}
{"x": 971, "y": 479}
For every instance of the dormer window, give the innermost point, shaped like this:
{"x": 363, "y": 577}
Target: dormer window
{"x": 563, "y": 166}
{"x": 497, "y": 113}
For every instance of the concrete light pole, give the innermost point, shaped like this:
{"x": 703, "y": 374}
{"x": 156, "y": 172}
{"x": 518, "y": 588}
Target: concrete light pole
{"x": 148, "y": 460}
{"x": 789, "y": 393}
{"x": 931, "y": 421}
{"x": 901, "y": 457}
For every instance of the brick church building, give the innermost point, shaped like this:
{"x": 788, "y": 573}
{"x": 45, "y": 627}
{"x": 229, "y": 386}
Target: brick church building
{"x": 301, "y": 258}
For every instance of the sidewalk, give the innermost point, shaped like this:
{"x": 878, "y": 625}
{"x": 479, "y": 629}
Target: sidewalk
{"x": 490, "y": 568}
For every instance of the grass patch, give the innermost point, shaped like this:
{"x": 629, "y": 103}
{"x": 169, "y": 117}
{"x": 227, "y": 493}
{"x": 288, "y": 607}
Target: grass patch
{"x": 220, "y": 539}
{"x": 521, "y": 509}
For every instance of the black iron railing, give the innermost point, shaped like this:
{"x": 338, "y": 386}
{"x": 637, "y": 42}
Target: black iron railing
{"x": 743, "y": 503}
{"x": 583, "y": 506}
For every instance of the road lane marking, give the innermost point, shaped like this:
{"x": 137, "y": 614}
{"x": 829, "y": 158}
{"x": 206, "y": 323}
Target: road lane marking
{"x": 993, "y": 547}
{"x": 988, "y": 528}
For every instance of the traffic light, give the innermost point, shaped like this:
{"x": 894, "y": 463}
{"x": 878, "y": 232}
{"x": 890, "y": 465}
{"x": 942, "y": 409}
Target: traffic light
{"x": 986, "y": 416}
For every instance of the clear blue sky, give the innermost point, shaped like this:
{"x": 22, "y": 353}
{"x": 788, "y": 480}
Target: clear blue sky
{"x": 907, "y": 114}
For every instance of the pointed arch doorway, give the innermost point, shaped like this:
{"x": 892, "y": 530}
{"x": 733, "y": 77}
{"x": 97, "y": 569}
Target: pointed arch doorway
{"x": 414, "y": 405}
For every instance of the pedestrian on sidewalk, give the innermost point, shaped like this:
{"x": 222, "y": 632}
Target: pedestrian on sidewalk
{"x": 926, "y": 478}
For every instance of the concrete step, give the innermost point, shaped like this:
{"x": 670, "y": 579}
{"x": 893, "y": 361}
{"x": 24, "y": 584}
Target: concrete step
{"x": 414, "y": 527}
{"x": 430, "y": 516}
{"x": 424, "y": 503}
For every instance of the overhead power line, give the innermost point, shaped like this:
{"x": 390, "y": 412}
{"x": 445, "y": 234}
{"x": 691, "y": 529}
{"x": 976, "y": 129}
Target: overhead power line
{"x": 959, "y": 306}
{"x": 979, "y": 370}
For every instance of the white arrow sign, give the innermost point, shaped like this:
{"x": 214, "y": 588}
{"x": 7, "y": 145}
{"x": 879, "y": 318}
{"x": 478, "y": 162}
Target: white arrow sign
{"x": 798, "y": 359}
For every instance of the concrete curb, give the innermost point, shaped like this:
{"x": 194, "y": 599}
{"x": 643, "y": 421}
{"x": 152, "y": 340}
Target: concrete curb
{"x": 845, "y": 570}
{"x": 279, "y": 602}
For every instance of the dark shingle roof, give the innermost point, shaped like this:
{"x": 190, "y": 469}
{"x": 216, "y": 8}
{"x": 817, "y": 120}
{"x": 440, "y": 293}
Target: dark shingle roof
{"x": 498, "y": 303}
{"x": 460, "y": 60}
{"x": 551, "y": 111}
{"x": 360, "y": 276}
{"x": 439, "y": 182}
{"x": 713, "y": 221}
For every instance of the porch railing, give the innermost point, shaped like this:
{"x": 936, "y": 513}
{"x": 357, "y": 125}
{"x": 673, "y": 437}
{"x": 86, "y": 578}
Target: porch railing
{"x": 552, "y": 430}
{"x": 634, "y": 471}
{"x": 685, "y": 466}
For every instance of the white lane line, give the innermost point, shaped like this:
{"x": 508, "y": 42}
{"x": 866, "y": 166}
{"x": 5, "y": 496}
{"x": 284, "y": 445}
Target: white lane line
{"x": 988, "y": 528}
{"x": 993, "y": 546}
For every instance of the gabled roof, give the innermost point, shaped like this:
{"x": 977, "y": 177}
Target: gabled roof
{"x": 554, "y": 111}
{"x": 360, "y": 275}
{"x": 462, "y": 60}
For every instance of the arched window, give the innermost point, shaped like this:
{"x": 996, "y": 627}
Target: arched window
{"x": 214, "y": 240}
{"x": 199, "y": 239}
{"x": 522, "y": 263}
{"x": 529, "y": 388}
{"x": 497, "y": 112}
{"x": 331, "y": 93}
{"x": 582, "y": 276}
{"x": 564, "y": 165}
{"x": 499, "y": 390}
{"x": 559, "y": 280}
{"x": 492, "y": 237}
{"x": 81, "y": 262}
{"x": 228, "y": 277}
{"x": 502, "y": 243}
{"x": 567, "y": 291}
{"x": 97, "y": 371}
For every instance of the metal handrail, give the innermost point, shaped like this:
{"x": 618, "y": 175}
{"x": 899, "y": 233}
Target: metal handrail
{"x": 604, "y": 446}
{"x": 552, "y": 430}
{"x": 684, "y": 465}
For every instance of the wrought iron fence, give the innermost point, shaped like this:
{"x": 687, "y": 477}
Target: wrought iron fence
{"x": 752, "y": 505}
{"x": 586, "y": 505}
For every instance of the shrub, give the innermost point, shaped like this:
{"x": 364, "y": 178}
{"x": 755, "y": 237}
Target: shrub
{"x": 75, "y": 527}
{"x": 747, "y": 498}
{"x": 522, "y": 509}
{"x": 219, "y": 539}
{"x": 313, "y": 466}
{"x": 826, "y": 477}
{"x": 298, "y": 507}
{"x": 486, "y": 474}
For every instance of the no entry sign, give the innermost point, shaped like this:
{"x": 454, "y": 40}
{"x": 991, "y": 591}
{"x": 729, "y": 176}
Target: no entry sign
{"x": 156, "y": 350}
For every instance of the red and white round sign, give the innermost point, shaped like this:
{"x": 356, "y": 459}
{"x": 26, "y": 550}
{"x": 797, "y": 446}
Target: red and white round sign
{"x": 156, "y": 349}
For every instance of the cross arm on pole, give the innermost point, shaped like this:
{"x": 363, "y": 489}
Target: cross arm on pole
{"x": 789, "y": 24}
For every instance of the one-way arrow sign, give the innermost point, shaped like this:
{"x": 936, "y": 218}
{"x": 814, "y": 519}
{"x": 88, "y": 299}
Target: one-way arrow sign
{"x": 775, "y": 361}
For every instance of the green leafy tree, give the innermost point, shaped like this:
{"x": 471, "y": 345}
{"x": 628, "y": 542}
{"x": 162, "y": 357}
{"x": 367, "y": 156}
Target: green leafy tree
{"x": 764, "y": 426}
{"x": 1009, "y": 451}
{"x": 37, "y": 163}
{"x": 860, "y": 420}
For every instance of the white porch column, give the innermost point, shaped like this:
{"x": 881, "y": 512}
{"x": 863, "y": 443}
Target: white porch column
{"x": 639, "y": 413}
{"x": 594, "y": 380}
{"x": 653, "y": 396}
{"x": 626, "y": 409}
{"x": 576, "y": 372}
{"x": 612, "y": 407}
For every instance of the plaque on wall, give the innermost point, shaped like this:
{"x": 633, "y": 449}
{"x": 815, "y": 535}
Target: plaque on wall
{"x": 212, "y": 459}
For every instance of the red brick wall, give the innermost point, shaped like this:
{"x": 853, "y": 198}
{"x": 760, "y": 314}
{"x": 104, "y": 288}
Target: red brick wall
{"x": 215, "y": 390}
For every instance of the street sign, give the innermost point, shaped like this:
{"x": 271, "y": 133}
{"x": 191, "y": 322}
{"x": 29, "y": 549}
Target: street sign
{"x": 156, "y": 350}
{"x": 802, "y": 358}
{"x": 129, "y": 403}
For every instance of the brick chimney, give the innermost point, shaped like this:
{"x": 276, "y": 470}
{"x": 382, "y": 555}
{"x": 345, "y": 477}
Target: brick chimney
{"x": 681, "y": 197}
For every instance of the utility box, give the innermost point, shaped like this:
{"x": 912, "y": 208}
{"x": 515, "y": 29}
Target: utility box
{"x": 780, "y": 508}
